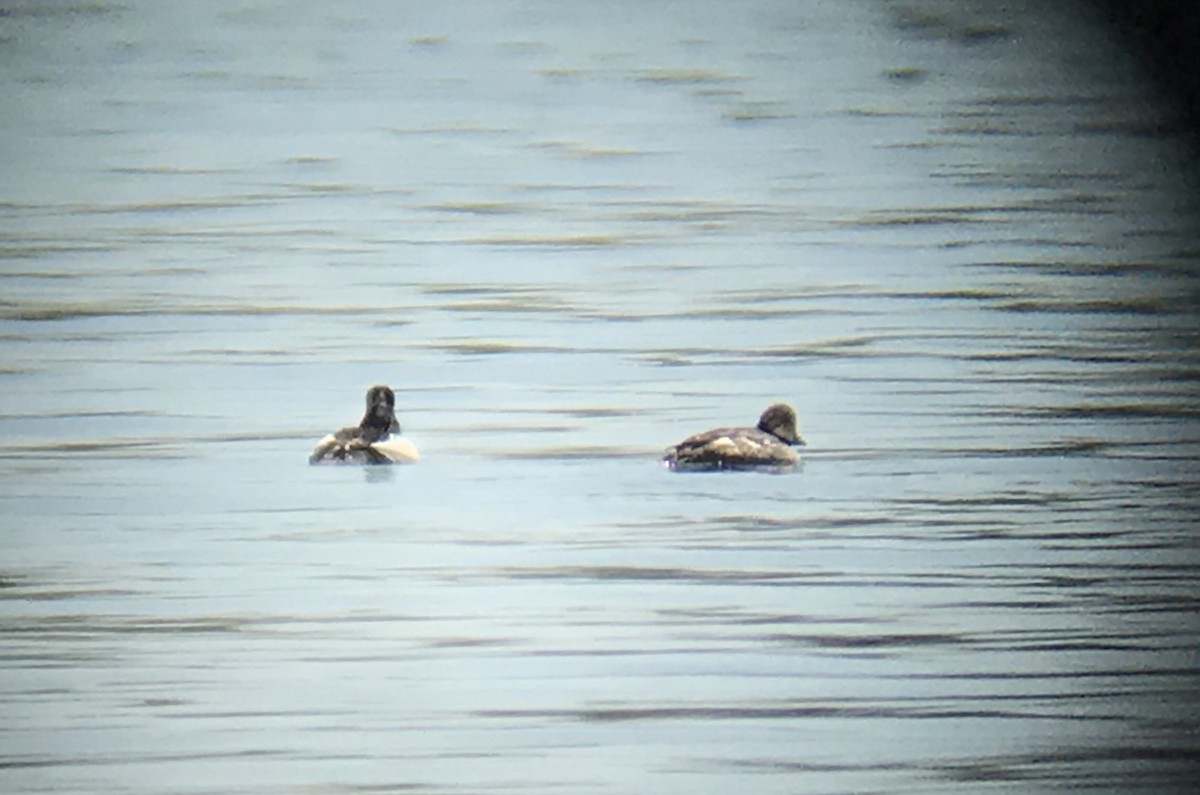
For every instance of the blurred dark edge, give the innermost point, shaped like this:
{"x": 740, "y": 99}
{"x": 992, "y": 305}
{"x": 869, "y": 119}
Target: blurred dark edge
{"x": 1165, "y": 34}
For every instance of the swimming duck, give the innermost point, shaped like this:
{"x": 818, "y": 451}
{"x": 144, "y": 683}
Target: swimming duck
{"x": 769, "y": 445}
{"x": 370, "y": 441}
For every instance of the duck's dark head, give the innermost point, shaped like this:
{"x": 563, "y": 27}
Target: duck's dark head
{"x": 380, "y": 419}
{"x": 780, "y": 421}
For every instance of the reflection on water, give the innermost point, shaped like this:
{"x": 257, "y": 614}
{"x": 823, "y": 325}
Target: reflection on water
{"x": 956, "y": 237}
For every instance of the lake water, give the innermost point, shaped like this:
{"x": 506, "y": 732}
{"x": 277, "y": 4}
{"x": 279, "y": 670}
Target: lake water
{"x": 960, "y": 240}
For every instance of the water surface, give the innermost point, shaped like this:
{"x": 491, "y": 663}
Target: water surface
{"x": 959, "y": 241}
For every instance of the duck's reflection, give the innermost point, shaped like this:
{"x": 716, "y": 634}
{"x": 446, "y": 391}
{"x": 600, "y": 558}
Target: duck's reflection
{"x": 379, "y": 474}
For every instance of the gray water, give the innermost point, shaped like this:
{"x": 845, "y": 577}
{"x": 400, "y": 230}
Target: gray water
{"x": 959, "y": 239}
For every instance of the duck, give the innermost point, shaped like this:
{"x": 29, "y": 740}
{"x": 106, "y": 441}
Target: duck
{"x": 769, "y": 445}
{"x": 371, "y": 441}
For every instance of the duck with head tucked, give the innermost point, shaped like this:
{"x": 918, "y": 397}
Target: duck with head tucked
{"x": 371, "y": 441}
{"x": 767, "y": 446}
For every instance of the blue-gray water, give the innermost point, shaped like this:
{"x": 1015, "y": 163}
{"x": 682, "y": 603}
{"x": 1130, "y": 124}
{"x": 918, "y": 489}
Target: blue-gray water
{"x": 961, "y": 241}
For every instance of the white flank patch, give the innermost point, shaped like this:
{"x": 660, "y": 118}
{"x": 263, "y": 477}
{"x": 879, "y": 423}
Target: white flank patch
{"x": 398, "y": 450}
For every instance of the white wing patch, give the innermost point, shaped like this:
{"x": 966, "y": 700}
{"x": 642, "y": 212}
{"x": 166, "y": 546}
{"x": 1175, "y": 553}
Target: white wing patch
{"x": 723, "y": 445}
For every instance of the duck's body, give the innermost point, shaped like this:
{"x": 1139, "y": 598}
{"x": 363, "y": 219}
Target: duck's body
{"x": 371, "y": 441}
{"x": 767, "y": 446}
{"x": 347, "y": 447}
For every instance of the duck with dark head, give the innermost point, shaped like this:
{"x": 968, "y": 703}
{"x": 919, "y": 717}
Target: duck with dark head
{"x": 371, "y": 441}
{"x": 767, "y": 446}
